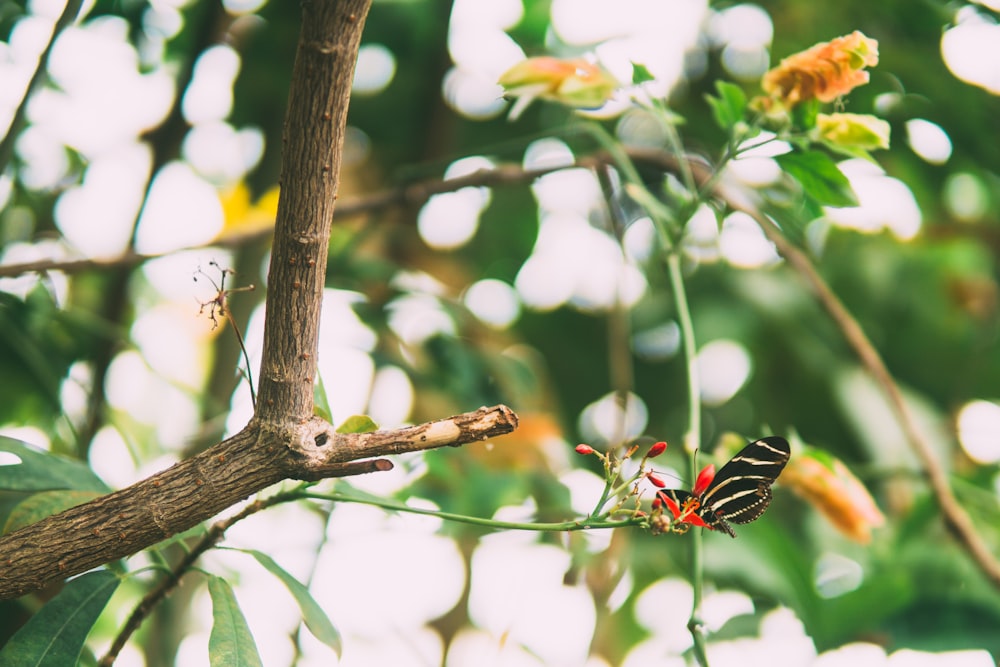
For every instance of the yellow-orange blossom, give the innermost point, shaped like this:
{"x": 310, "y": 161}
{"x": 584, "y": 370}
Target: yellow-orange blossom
{"x": 823, "y": 72}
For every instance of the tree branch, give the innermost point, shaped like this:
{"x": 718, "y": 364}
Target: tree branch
{"x": 196, "y": 489}
{"x": 955, "y": 516}
{"x": 312, "y": 153}
{"x": 65, "y": 20}
{"x": 283, "y": 440}
{"x": 411, "y": 194}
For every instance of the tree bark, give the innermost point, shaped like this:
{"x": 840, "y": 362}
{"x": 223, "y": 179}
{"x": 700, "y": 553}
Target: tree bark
{"x": 125, "y": 522}
{"x": 310, "y": 172}
{"x": 283, "y": 440}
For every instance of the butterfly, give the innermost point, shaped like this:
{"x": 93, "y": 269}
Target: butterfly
{"x": 739, "y": 492}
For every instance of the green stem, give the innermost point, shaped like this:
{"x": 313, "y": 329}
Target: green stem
{"x": 581, "y": 524}
{"x": 599, "y": 507}
{"x": 734, "y": 148}
{"x": 691, "y": 444}
{"x": 677, "y": 148}
{"x": 693, "y": 440}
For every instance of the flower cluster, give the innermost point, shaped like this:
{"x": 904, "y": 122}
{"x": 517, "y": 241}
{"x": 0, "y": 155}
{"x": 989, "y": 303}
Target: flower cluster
{"x": 825, "y": 73}
{"x": 617, "y": 487}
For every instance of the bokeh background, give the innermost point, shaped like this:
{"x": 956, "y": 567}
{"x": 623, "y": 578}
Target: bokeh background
{"x": 152, "y": 148}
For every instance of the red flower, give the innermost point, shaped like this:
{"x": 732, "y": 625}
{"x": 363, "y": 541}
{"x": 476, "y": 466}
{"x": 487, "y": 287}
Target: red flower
{"x": 684, "y": 513}
{"x": 655, "y": 481}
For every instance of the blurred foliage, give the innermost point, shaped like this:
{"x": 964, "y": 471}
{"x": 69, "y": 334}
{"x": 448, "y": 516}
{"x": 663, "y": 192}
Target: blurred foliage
{"x": 930, "y": 306}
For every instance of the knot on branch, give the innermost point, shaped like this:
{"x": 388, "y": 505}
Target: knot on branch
{"x": 310, "y": 442}
{"x": 317, "y": 451}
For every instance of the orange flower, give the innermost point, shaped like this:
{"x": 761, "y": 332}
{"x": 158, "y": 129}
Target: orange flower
{"x": 824, "y": 72}
{"x": 826, "y": 482}
{"x": 576, "y": 83}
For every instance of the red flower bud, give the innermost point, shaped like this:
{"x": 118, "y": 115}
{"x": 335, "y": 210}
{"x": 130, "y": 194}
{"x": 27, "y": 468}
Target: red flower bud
{"x": 656, "y": 481}
{"x": 584, "y": 449}
{"x": 705, "y": 478}
{"x": 657, "y": 449}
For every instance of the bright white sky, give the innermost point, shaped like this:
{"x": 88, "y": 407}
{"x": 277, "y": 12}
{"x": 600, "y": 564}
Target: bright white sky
{"x": 383, "y": 578}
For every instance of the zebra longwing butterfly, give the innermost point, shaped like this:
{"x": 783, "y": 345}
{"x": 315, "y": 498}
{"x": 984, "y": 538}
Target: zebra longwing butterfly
{"x": 739, "y": 492}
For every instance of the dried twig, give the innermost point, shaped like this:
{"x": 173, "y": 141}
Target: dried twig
{"x": 218, "y": 305}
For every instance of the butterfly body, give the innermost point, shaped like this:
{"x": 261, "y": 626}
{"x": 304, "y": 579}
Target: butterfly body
{"x": 739, "y": 492}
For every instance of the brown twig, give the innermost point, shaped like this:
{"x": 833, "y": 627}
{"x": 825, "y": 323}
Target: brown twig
{"x": 173, "y": 578}
{"x": 64, "y": 21}
{"x": 954, "y": 514}
{"x": 219, "y": 304}
{"x": 412, "y": 194}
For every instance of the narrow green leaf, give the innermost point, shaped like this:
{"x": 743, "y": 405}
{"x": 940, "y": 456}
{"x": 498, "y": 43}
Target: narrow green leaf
{"x": 231, "y": 643}
{"x": 312, "y": 614}
{"x": 40, "y": 470}
{"x": 729, "y": 107}
{"x": 819, "y": 177}
{"x": 55, "y": 635}
{"x": 641, "y": 73}
{"x": 358, "y": 424}
{"x": 37, "y": 506}
{"x": 321, "y": 402}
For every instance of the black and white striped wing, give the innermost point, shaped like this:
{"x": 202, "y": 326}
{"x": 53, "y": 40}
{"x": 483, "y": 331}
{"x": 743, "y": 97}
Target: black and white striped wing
{"x": 741, "y": 490}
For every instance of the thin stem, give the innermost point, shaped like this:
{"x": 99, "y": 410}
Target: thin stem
{"x": 246, "y": 356}
{"x": 579, "y": 524}
{"x": 605, "y": 494}
{"x": 677, "y": 148}
{"x": 693, "y": 439}
{"x": 619, "y": 330}
{"x": 691, "y": 443}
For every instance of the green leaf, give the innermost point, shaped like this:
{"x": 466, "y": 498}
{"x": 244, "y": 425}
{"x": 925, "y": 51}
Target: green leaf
{"x": 819, "y": 177}
{"x": 55, "y": 635}
{"x": 37, "y": 506}
{"x": 40, "y": 470}
{"x": 728, "y": 108}
{"x": 321, "y": 402}
{"x": 641, "y": 74}
{"x": 804, "y": 115}
{"x": 358, "y": 424}
{"x": 231, "y": 643}
{"x": 312, "y": 614}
